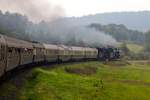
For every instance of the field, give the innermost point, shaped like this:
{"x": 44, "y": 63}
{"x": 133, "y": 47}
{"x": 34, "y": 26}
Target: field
{"x": 92, "y": 80}
{"x": 135, "y": 48}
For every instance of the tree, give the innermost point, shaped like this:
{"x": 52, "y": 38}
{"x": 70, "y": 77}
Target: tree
{"x": 147, "y": 41}
{"x": 147, "y": 37}
{"x": 124, "y": 48}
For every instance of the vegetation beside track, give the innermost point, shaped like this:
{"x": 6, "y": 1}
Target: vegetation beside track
{"x": 93, "y": 80}
{"x": 135, "y": 48}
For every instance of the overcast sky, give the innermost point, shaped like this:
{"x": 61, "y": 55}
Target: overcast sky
{"x": 84, "y": 7}
{"x": 46, "y": 9}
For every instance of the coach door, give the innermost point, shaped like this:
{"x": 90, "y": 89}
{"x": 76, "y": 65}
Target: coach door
{"x": 13, "y": 58}
{"x": 2, "y": 59}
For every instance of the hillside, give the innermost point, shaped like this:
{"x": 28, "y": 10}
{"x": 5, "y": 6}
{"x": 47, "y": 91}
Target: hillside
{"x": 120, "y": 32}
{"x": 78, "y": 31}
{"x": 135, "y": 48}
{"x": 133, "y": 20}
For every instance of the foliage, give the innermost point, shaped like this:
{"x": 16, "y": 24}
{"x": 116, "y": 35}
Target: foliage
{"x": 124, "y": 48}
{"x": 139, "y": 56}
{"x": 120, "y": 32}
{"x": 147, "y": 36}
{"x": 14, "y": 25}
{"x": 135, "y": 48}
{"x": 147, "y": 47}
{"x": 147, "y": 41}
{"x": 112, "y": 81}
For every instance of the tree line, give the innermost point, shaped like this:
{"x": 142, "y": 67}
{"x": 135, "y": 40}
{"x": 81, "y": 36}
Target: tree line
{"x": 18, "y": 26}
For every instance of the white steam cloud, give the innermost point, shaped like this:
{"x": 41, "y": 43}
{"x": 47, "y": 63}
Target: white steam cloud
{"x": 36, "y": 10}
{"x": 89, "y": 36}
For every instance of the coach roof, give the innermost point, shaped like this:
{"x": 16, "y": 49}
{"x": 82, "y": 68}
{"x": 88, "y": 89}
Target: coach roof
{"x": 12, "y": 42}
{"x": 78, "y": 48}
{"x": 50, "y": 46}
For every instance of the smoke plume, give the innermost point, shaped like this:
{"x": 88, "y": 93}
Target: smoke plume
{"x": 89, "y": 37}
{"x": 36, "y": 10}
{"x": 70, "y": 34}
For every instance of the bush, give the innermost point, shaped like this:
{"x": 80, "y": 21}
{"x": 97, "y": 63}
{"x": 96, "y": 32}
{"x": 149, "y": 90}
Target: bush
{"x": 140, "y": 56}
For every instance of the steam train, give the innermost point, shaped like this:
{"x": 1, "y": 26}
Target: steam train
{"x": 15, "y": 52}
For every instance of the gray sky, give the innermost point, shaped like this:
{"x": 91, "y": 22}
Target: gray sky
{"x": 85, "y": 7}
{"x": 49, "y": 9}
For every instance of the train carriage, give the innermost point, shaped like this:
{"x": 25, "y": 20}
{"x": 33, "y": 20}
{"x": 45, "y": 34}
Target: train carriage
{"x": 19, "y": 52}
{"x": 51, "y": 52}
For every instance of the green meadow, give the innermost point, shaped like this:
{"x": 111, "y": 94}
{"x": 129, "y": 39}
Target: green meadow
{"x": 92, "y": 80}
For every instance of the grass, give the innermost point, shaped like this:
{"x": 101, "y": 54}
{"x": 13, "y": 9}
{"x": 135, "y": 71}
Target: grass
{"x": 135, "y": 48}
{"x": 7, "y": 89}
{"x": 110, "y": 81}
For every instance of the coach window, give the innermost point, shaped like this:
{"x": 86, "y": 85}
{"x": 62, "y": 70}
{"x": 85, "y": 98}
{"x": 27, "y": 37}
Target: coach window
{"x": 55, "y": 51}
{"x": 15, "y": 52}
{"x": 10, "y": 50}
{"x": 28, "y": 51}
{"x": 40, "y": 51}
{"x": 50, "y": 52}
{"x": 25, "y": 51}
{"x": 47, "y": 52}
{"x": 34, "y": 52}
{"x": 18, "y": 50}
{"x": 0, "y": 52}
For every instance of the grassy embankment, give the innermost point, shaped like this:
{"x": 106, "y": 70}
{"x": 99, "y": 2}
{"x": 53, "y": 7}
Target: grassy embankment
{"x": 86, "y": 81}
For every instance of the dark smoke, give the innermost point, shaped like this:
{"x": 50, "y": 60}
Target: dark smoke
{"x": 36, "y": 10}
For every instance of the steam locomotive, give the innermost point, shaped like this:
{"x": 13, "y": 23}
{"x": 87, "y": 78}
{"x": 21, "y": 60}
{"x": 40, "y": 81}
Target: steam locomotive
{"x": 15, "y": 52}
